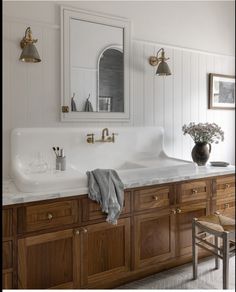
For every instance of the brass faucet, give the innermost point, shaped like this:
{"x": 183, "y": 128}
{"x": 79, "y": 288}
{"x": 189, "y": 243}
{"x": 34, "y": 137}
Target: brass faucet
{"x": 105, "y": 137}
{"x": 103, "y": 133}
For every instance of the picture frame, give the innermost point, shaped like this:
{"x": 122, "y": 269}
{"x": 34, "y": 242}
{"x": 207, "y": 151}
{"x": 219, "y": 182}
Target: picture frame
{"x": 221, "y": 91}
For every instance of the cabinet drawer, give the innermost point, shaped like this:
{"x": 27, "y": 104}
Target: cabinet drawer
{"x": 193, "y": 191}
{"x": 7, "y": 255}
{"x": 92, "y": 210}
{"x": 151, "y": 198}
{"x": 44, "y": 216}
{"x": 225, "y": 189}
{"x": 7, "y": 223}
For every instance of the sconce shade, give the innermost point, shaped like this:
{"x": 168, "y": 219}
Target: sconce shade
{"x": 163, "y": 69}
{"x": 30, "y": 54}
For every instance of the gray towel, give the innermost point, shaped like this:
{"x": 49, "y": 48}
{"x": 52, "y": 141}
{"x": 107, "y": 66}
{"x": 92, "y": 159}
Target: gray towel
{"x": 106, "y": 188}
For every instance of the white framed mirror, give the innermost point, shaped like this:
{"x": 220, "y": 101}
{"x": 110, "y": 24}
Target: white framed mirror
{"x": 95, "y": 66}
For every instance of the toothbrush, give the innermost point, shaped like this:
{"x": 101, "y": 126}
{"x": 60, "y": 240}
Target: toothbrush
{"x": 54, "y": 149}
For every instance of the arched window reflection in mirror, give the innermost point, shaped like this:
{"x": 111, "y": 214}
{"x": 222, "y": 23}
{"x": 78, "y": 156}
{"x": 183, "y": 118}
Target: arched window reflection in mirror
{"x": 111, "y": 80}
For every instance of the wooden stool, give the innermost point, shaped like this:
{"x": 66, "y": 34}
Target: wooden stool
{"x": 218, "y": 227}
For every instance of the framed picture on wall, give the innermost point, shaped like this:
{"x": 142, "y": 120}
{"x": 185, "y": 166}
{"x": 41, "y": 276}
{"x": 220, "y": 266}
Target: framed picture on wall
{"x": 221, "y": 91}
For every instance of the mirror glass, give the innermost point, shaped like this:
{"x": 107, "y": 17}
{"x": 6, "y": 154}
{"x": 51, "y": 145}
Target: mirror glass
{"x": 95, "y": 66}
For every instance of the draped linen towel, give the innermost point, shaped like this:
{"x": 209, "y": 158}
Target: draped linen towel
{"x": 106, "y": 188}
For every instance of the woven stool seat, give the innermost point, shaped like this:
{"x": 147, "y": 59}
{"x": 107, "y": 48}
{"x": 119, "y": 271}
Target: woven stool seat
{"x": 216, "y": 234}
{"x": 218, "y": 223}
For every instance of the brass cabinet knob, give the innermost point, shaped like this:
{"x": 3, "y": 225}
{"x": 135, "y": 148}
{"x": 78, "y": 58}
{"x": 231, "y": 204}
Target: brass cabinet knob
{"x": 155, "y": 198}
{"x": 77, "y": 232}
{"x": 178, "y": 210}
{"x": 194, "y": 191}
{"x": 227, "y": 186}
{"x": 173, "y": 211}
{"x": 84, "y": 230}
{"x": 90, "y": 138}
{"x": 50, "y": 216}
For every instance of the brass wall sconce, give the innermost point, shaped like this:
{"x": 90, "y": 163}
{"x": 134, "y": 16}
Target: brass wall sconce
{"x": 29, "y": 51}
{"x": 162, "y": 67}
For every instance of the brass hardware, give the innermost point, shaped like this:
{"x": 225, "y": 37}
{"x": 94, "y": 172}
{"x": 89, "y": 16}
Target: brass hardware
{"x": 226, "y": 205}
{"x": 173, "y": 211}
{"x": 178, "y": 210}
{"x": 77, "y": 232}
{"x": 84, "y": 230}
{"x": 50, "y": 216}
{"x": 194, "y": 191}
{"x": 113, "y": 137}
{"x": 90, "y": 138}
{"x": 153, "y": 61}
{"x": 105, "y": 130}
{"x": 227, "y": 186}
{"x": 155, "y": 198}
{"x": 29, "y": 51}
{"x": 217, "y": 212}
{"x": 65, "y": 109}
{"x": 28, "y": 38}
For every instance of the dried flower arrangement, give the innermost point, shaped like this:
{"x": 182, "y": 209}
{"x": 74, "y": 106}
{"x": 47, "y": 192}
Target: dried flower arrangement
{"x": 204, "y": 133}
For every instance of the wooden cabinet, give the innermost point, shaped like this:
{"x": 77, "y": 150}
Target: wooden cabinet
{"x": 105, "y": 253}
{"x": 224, "y": 197}
{"x": 154, "y": 238}
{"x": 66, "y": 243}
{"x": 7, "y": 249}
{"x": 48, "y": 260}
{"x": 184, "y": 216}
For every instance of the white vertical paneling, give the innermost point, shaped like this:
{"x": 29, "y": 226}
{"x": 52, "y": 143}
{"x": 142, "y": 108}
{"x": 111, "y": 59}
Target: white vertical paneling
{"x": 186, "y": 110}
{"x": 168, "y": 105}
{"x": 202, "y": 88}
{"x": 138, "y": 98}
{"x": 194, "y": 87}
{"x": 32, "y": 91}
{"x": 177, "y": 122}
{"x": 148, "y": 76}
{"x": 159, "y": 98}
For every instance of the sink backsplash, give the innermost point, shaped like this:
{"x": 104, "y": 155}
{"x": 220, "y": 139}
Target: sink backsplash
{"x": 31, "y": 148}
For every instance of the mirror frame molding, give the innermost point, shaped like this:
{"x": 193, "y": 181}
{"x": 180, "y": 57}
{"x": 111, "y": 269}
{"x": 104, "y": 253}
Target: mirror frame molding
{"x": 125, "y": 24}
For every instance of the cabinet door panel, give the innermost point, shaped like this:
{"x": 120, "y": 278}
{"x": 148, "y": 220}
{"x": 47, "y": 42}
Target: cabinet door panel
{"x": 7, "y": 280}
{"x": 184, "y": 226}
{"x": 106, "y": 252}
{"x": 46, "y": 261}
{"x": 154, "y": 238}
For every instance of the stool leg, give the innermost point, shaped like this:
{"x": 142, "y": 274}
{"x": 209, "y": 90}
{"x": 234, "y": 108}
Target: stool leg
{"x": 195, "y": 249}
{"x": 217, "y": 266}
{"x": 225, "y": 260}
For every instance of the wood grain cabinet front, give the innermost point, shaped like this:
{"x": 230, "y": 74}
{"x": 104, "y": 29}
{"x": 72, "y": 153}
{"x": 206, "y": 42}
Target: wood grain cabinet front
{"x": 184, "y": 216}
{"x": 155, "y": 197}
{"x": 49, "y": 260}
{"x": 47, "y": 215}
{"x": 225, "y": 196}
{"x": 154, "y": 238}
{"x": 106, "y": 253}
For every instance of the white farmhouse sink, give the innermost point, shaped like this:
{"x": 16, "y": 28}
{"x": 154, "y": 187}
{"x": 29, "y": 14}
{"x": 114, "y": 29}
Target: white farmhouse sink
{"x": 137, "y": 153}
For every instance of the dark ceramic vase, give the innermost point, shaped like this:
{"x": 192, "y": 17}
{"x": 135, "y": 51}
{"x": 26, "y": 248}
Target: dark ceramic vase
{"x": 201, "y": 153}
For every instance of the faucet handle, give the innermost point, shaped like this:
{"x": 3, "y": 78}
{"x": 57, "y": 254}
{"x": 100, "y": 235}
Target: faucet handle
{"x": 90, "y": 138}
{"x": 113, "y": 137}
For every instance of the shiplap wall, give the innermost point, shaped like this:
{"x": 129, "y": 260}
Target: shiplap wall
{"x": 31, "y": 92}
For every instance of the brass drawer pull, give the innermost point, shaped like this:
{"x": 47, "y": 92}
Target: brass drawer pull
{"x": 226, "y": 205}
{"x": 227, "y": 186}
{"x": 77, "y": 232}
{"x": 194, "y": 191}
{"x": 173, "y": 211}
{"x": 50, "y": 216}
{"x": 178, "y": 210}
{"x": 155, "y": 198}
{"x": 84, "y": 230}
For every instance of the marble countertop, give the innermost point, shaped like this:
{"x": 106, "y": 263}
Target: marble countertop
{"x": 11, "y": 195}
